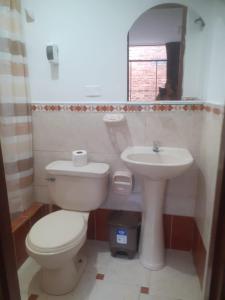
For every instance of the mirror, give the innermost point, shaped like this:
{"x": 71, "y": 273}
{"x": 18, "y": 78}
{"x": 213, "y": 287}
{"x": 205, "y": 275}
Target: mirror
{"x": 156, "y": 53}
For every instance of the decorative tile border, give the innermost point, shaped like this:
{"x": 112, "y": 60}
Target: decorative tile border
{"x": 124, "y": 108}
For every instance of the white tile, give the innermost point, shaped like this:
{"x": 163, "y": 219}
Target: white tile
{"x": 156, "y": 297}
{"x": 58, "y": 131}
{"x": 25, "y": 274}
{"x": 98, "y": 256}
{"x": 123, "y": 270}
{"x": 114, "y": 291}
{"x": 207, "y": 160}
{"x": 136, "y": 125}
{"x": 177, "y": 279}
{"x": 86, "y": 287}
{"x": 63, "y": 297}
{"x": 41, "y": 194}
{"x": 24, "y": 296}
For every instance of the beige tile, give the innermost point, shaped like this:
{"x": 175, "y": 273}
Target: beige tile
{"x": 41, "y": 194}
{"x": 42, "y": 159}
{"x": 65, "y": 131}
{"x": 181, "y": 193}
{"x": 98, "y": 255}
{"x": 26, "y": 273}
{"x": 58, "y": 131}
{"x": 136, "y": 128}
{"x": 177, "y": 279}
{"x": 207, "y": 162}
{"x": 63, "y": 297}
{"x": 112, "y": 291}
{"x": 86, "y": 288}
{"x": 156, "y": 297}
{"x": 123, "y": 270}
{"x": 174, "y": 129}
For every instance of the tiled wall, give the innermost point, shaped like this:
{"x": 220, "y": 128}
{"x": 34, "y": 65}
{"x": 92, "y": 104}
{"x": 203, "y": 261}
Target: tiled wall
{"x": 179, "y": 230}
{"x": 207, "y": 163}
{"x": 57, "y": 133}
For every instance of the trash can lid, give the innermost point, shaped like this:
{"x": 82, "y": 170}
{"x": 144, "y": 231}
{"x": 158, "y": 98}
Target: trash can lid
{"x": 128, "y": 219}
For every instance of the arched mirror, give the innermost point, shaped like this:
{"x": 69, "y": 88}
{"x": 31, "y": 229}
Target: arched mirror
{"x": 156, "y": 49}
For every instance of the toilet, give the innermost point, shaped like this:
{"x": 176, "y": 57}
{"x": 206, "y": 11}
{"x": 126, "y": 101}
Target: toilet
{"x": 54, "y": 241}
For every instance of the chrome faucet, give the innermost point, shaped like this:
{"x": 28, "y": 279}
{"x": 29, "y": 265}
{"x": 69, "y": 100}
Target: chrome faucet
{"x": 155, "y": 146}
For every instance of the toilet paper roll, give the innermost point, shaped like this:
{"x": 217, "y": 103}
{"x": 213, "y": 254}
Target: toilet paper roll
{"x": 79, "y": 158}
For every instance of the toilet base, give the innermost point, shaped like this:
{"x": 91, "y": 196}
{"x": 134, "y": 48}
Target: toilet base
{"x": 62, "y": 280}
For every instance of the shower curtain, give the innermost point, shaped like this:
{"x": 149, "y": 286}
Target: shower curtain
{"x": 15, "y": 114}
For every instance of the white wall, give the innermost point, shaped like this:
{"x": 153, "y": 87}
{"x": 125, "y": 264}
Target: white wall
{"x": 195, "y": 56}
{"x": 157, "y": 27}
{"x": 205, "y": 50}
{"x": 92, "y": 40}
{"x": 214, "y": 87}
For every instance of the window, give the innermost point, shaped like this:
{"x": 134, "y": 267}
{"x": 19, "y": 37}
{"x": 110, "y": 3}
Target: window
{"x": 147, "y": 72}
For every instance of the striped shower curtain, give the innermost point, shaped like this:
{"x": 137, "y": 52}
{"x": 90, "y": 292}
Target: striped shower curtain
{"x": 15, "y": 114}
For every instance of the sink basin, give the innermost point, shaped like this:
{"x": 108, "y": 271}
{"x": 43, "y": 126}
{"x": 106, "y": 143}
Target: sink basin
{"x": 155, "y": 168}
{"x": 165, "y": 164}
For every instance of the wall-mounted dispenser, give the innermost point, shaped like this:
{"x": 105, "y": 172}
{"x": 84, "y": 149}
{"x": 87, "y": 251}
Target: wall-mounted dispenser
{"x": 52, "y": 53}
{"x": 29, "y": 16}
{"x": 122, "y": 182}
{"x": 113, "y": 119}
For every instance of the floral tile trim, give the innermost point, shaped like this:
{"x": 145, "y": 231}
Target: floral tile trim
{"x": 124, "y": 108}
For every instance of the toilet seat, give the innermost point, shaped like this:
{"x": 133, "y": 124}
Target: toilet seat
{"x": 57, "y": 232}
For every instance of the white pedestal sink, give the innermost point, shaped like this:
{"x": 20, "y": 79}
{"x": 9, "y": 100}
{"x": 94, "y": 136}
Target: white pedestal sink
{"x": 155, "y": 168}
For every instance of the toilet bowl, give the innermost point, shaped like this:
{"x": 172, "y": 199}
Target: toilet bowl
{"x": 54, "y": 241}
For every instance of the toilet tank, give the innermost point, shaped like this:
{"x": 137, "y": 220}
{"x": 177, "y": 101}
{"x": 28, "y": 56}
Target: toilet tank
{"x": 77, "y": 188}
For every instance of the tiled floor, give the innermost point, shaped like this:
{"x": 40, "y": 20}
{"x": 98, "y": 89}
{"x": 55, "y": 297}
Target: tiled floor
{"x": 111, "y": 278}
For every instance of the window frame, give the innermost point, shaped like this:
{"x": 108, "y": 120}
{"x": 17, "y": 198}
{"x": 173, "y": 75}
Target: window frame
{"x": 139, "y": 60}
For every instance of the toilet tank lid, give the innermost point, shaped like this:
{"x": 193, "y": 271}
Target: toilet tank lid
{"x": 64, "y": 167}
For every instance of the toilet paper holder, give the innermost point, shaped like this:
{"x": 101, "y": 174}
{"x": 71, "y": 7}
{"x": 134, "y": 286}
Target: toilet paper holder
{"x": 122, "y": 182}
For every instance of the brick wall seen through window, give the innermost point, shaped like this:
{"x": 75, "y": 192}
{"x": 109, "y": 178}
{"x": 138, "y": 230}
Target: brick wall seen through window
{"x": 147, "y": 72}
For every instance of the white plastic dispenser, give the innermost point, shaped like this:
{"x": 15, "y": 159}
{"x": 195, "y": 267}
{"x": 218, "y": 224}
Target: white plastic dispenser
{"x": 122, "y": 182}
{"x": 113, "y": 119}
{"x": 52, "y": 53}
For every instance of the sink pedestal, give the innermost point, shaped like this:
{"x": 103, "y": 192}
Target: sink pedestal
{"x": 155, "y": 168}
{"x": 152, "y": 252}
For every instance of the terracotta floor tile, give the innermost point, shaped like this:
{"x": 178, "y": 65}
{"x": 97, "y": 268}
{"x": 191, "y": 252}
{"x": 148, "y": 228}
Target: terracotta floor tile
{"x": 144, "y": 290}
{"x": 100, "y": 276}
{"x": 33, "y": 297}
